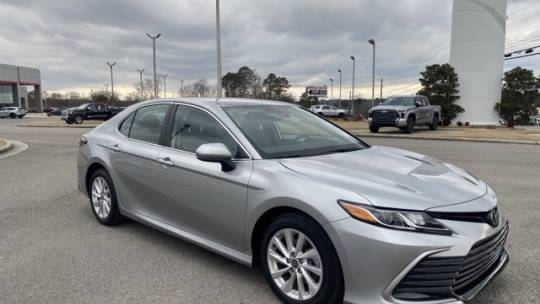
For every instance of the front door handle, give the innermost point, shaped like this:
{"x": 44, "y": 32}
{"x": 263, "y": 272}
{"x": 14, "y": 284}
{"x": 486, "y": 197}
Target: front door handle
{"x": 115, "y": 148}
{"x": 165, "y": 162}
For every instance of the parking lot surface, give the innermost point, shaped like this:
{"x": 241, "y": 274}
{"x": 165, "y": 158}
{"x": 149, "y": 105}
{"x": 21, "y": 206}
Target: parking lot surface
{"x": 53, "y": 251}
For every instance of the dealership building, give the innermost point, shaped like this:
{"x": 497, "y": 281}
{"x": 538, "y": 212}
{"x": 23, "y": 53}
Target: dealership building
{"x": 14, "y": 81}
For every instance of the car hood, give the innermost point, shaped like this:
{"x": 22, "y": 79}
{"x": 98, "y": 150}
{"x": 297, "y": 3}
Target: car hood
{"x": 395, "y": 108}
{"x": 392, "y": 178}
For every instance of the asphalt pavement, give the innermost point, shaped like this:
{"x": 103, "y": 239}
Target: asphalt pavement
{"x": 53, "y": 251}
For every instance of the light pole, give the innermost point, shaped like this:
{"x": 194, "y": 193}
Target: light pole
{"x": 331, "y": 89}
{"x": 111, "y": 65}
{"x": 353, "y": 73}
{"x": 181, "y": 87}
{"x": 340, "y": 72}
{"x": 107, "y": 92}
{"x": 142, "y": 86}
{"x": 372, "y": 42}
{"x": 165, "y": 85}
{"x": 154, "y": 48}
{"x": 218, "y": 47}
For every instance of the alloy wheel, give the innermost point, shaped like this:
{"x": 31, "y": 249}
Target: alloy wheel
{"x": 295, "y": 264}
{"x": 101, "y": 197}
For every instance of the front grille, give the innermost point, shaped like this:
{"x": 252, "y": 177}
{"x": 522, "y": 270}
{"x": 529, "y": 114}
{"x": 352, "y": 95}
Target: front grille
{"x": 385, "y": 116}
{"x": 436, "y": 278}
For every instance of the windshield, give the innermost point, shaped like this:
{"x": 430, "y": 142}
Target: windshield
{"x": 280, "y": 131}
{"x": 400, "y": 101}
{"x": 83, "y": 106}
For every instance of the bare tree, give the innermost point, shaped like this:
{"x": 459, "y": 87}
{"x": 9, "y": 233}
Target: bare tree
{"x": 199, "y": 88}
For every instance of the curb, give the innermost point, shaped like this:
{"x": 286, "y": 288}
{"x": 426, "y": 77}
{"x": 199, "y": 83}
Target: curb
{"x": 452, "y": 138}
{"x": 5, "y": 147}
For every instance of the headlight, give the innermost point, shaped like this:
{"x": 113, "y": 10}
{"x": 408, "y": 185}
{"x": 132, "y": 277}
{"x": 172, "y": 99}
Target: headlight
{"x": 70, "y": 112}
{"x": 396, "y": 219}
{"x": 402, "y": 114}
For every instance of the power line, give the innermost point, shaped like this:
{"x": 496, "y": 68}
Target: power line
{"x": 522, "y": 56}
{"x": 405, "y": 66}
{"x": 522, "y": 9}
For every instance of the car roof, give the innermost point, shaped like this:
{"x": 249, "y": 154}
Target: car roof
{"x": 205, "y": 101}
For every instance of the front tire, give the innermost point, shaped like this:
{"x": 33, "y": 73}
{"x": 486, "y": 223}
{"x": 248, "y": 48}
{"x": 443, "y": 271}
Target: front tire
{"x": 103, "y": 199}
{"x": 410, "y": 126}
{"x": 300, "y": 263}
{"x": 12, "y": 115}
{"x": 373, "y": 129}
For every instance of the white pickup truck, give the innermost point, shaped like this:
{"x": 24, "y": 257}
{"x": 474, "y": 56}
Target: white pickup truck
{"x": 404, "y": 112}
{"x": 328, "y": 110}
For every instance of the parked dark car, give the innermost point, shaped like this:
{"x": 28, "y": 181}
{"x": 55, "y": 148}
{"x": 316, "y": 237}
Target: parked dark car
{"x": 89, "y": 111}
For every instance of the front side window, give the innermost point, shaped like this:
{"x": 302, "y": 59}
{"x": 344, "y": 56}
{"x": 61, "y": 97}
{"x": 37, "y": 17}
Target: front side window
{"x": 193, "y": 127}
{"x": 148, "y": 122}
{"x": 279, "y": 131}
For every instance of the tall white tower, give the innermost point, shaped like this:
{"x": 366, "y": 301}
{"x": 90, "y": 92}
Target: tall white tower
{"x": 477, "y": 54}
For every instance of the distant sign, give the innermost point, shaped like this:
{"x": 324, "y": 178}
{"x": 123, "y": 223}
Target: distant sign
{"x": 316, "y": 91}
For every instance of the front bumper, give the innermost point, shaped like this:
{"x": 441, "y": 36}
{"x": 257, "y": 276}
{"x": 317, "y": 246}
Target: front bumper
{"x": 398, "y": 123}
{"x": 375, "y": 259}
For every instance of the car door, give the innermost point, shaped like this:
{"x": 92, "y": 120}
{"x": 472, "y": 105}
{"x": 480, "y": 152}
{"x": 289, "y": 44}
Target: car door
{"x": 134, "y": 152}
{"x": 421, "y": 111}
{"x": 197, "y": 196}
{"x": 100, "y": 111}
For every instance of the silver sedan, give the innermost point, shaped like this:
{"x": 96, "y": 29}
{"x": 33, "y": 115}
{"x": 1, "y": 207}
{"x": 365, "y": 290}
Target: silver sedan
{"x": 326, "y": 217}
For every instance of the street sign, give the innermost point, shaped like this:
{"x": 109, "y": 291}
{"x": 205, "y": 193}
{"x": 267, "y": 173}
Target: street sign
{"x": 316, "y": 91}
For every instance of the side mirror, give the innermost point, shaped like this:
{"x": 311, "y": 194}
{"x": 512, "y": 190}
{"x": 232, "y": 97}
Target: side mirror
{"x": 216, "y": 153}
{"x": 88, "y": 108}
{"x": 418, "y": 104}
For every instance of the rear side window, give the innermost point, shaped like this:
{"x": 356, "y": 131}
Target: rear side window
{"x": 126, "y": 125}
{"x": 148, "y": 123}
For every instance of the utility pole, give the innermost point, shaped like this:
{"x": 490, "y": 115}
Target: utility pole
{"x": 142, "y": 86}
{"x": 165, "y": 85}
{"x": 111, "y": 65}
{"x": 155, "y": 73}
{"x": 372, "y": 42}
{"x": 218, "y": 47}
{"x": 381, "y": 89}
{"x": 340, "y": 72}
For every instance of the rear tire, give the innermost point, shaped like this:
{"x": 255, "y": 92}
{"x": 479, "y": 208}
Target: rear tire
{"x": 103, "y": 200}
{"x": 78, "y": 119}
{"x": 301, "y": 267}
{"x": 434, "y": 122}
{"x": 374, "y": 129}
{"x": 341, "y": 115}
{"x": 410, "y": 126}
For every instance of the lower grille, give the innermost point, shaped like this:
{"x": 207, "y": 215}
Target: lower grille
{"x": 441, "y": 278}
{"x": 384, "y": 116}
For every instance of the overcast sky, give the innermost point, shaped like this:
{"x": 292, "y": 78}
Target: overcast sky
{"x": 304, "y": 40}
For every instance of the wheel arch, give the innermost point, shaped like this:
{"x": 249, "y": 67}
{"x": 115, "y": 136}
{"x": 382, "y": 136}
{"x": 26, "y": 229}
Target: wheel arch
{"x": 93, "y": 167}
{"x": 265, "y": 219}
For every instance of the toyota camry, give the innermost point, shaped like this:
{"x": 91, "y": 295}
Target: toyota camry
{"x": 325, "y": 216}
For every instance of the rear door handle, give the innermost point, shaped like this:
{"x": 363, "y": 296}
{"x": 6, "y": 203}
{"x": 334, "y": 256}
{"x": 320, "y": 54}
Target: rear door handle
{"x": 115, "y": 148}
{"x": 165, "y": 162}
